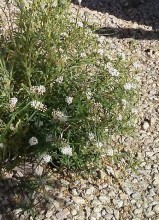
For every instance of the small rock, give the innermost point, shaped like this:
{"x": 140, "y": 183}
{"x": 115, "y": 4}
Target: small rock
{"x": 97, "y": 209}
{"x": 116, "y": 214}
{"x": 145, "y": 125}
{"x": 74, "y": 192}
{"x": 96, "y": 202}
{"x": 108, "y": 217}
{"x": 79, "y": 200}
{"x": 39, "y": 170}
{"x": 90, "y": 191}
{"x": 104, "y": 199}
{"x": 156, "y": 180}
{"x": 156, "y": 209}
{"x": 109, "y": 210}
{"x": 62, "y": 214}
{"x": 74, "y": 212}
{"x": 49, "y": 213}
{"x": 138, "y": 211}
{"x": 102, "y": 175}
{"x": 136, "y": 196}
{"x": 149, "y": 214}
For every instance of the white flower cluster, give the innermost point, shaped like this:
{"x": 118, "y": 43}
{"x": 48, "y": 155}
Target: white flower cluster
{"x": 38, "y": 105}
{"x": 91, "y": 136}
{"x": 33, "y": 141}
{"x": 59, "y": 79}
{"x": 119, "y": 117}
{"x": 46, "y": 158}
{"x": 88, "y": 94}
{"x": 83, "y": 55}
{"x": 38, "y": 89}
{"x": 66, "y": 150}
{"x": 80, "y": 24}
{"x": 69, "y": 100}
{"x": 12, "y": 103}
{"x": 112, "y": 70}
{"x": 58, "y": 115}
{"x": 129, "y": 86}
{"x": 100, "y": 51}
{"x": 99, "y": 144}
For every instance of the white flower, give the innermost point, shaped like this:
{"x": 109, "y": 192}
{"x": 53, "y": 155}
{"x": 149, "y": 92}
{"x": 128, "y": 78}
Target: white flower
{"x": 38, "y": 89}
{"x": 64, "y": 34}
{"x": 12, "y": 103}
{"x": 129, "y": 86}
{"x": 113, "y": 72}
{"x": 88, "y": 94}
{"x": 59, "y": 79}
{"x": 1, "y": 145}
{"x": 80, "y": 24}
{"x": 99, "y": 144}
{"x": 38, "y": 105}
{"x": 101, "y": 52}
{"x": 69, "y": 100}
{"x": 33, "y": 141}
{"x": 111, "y": 69}
{"x": 91, "y": 136}
{"x": 46, "y": 158}
{"x": 66, "y": 150}
{"x": 124, "y": 102}
{"x": 119, "y": 118}
{"x": 83, "y": 55}
{"x": 58, "y": 115}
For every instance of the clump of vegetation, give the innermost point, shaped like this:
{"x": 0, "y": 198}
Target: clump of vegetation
{"x": 61, "y": 97}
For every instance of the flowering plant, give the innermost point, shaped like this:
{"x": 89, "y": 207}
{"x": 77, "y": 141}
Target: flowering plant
{"x": 61, "y": 97}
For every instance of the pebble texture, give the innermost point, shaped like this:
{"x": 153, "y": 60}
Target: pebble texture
{"x": 118, "y": 192}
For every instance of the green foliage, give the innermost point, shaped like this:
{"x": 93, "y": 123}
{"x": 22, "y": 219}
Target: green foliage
{"x": 61, "y": 98}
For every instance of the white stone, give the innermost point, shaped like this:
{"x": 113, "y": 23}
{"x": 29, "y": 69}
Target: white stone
{"x": 97, "y": 209}
{"x": 96, "y": 202}
{"x": 138, "y": 211}
{"x": 104, "y": 199}
{"x": 62, "y": 214}
{"x": 39, "y": 170}
{"x": 109, "y": 210}
{"x": 149, "y": 214}
{"x": 74, "y": 212}
{"x": 145, "y": 125}
{"x": 78, "y": 200}
{"x": 74, "y": 192}
{"x": 90, "y": 191}
{"x": 156, "y": 179}
{"x": 116, "y": 214}
{"x": 102, "y": 174}
{"x": 49, "y": 214}
{"x": 156, "y": 209}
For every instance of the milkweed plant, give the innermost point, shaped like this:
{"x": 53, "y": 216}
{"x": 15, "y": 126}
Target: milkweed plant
{"x": 61, "y": 96}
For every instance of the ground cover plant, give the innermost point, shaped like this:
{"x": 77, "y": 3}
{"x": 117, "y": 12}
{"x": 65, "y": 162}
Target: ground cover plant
{"x": 61, "y": 96}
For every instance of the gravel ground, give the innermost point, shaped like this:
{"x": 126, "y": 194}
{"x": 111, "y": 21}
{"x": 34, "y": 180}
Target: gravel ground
{"x": 117, "y": 192}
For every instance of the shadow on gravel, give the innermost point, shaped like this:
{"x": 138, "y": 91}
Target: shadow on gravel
{"x": 22, "y": 197}
{"x": 143, "y": 12}
{"x": 120, "y": 33}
